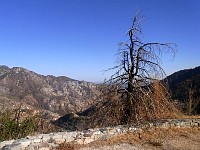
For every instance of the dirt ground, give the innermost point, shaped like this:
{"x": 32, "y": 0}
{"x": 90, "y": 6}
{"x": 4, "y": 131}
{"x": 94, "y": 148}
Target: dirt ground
{"x": 181, "y": 143}
{"x": 156, "y": 139}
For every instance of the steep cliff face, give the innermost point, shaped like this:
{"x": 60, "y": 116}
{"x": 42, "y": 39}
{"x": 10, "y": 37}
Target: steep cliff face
{"x": 57, "y": 94}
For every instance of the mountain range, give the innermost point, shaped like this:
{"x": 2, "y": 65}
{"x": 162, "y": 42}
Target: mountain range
{"x": 61, "y": 95}
{"x": 79, "y": 101}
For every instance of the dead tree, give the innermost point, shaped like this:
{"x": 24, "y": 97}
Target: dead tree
{"x": 138, "y": 65}
{"x": 192, "y": 102}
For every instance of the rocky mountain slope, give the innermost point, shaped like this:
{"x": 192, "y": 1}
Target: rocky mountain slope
{"x": 61, "y": 95}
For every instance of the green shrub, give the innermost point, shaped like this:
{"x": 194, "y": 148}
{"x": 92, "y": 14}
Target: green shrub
{"x": 13, "y": 126}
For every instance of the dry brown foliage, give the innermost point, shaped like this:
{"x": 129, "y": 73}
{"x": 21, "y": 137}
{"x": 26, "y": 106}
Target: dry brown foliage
{"x": 136, "y": 75}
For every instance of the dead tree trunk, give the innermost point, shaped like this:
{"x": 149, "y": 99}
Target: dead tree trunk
{"x": 139, "y": 66}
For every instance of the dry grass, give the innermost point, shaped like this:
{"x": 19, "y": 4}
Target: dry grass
{"x": 191, "y": 117}
{"x": 69, "y": 146}
{"x": 152, "y": 139}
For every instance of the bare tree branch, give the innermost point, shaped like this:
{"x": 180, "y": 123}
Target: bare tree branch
{"x": 139, "y": 66}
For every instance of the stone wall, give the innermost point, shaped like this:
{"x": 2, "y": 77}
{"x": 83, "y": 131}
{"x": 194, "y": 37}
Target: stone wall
{"x": 52, "y": 140}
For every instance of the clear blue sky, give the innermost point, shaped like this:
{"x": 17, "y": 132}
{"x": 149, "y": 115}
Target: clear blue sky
{"x": 79, "y": 38}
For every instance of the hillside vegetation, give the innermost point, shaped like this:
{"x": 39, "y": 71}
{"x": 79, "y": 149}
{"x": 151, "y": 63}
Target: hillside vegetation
{"x": 185, "y": 88}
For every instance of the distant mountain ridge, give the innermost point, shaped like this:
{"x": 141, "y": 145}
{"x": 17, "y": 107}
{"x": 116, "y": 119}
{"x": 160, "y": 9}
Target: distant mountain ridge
{"x": 183, "y": 81}
{"x": 57, "y": 94}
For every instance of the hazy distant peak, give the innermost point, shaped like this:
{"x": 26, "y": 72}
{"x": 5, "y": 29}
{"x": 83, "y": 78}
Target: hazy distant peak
{"x": 19, "y": 69}
{"x": 4, "y": 66}
{"x": 4, "y": 69}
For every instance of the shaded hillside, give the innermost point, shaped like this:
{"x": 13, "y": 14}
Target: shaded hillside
{"x": 57, "y": 94}
{"x": 102, "y": 114}
{"x": 183, "y": 82}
